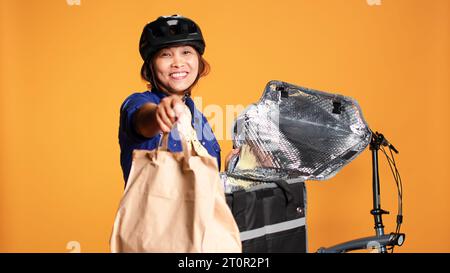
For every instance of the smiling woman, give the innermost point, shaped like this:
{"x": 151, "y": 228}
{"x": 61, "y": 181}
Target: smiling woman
{"x": 171, "y": 48}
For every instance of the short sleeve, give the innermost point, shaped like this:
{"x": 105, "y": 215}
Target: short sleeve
{"x": 127, "y": 111}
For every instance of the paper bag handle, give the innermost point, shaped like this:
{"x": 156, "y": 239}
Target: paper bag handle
{"x": 164, "y": 140}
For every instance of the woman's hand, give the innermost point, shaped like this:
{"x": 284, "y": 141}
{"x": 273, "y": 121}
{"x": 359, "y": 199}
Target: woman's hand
{"x": 168, "y": 111}
{"x": 230, "y": 155}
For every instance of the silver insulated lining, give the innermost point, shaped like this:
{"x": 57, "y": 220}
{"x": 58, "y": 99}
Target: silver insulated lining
{"x": 295, "y": 133}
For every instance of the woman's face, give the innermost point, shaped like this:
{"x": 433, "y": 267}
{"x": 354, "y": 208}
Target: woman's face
{"x": 176, "y": 68}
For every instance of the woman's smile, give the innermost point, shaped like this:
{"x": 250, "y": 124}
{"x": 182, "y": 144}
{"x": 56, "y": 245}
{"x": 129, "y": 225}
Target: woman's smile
{"x": 179, "y": 75}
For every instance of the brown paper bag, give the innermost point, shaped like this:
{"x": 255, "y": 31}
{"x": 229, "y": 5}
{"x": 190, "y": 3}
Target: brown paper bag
{"x": 174, "y": 202}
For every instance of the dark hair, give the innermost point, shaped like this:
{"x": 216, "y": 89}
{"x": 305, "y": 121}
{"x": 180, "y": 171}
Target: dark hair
{"x": 147, "y": 72}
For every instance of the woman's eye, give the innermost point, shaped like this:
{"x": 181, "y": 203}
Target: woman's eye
{"x": 187, "y": 52}
{"x": 165, "y": 54}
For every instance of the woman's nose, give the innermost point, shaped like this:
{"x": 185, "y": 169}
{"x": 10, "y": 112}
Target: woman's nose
{"x": 178, "y": 61}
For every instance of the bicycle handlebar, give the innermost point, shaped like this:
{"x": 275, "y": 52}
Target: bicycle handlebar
{"x": 367, "y": 242}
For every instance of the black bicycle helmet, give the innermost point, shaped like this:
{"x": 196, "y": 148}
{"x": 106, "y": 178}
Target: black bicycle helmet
{"x": 169, "y": 30}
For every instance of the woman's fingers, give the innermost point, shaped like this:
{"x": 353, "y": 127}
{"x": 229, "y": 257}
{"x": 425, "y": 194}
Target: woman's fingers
{"x": 162, "y": 126}
{"x": 167, "y": 104}
{"x": 178, "y": 109}
{"x": 177, "y": 106}
{"x": 168, "y": 112}
{"x": 164, "y": 122}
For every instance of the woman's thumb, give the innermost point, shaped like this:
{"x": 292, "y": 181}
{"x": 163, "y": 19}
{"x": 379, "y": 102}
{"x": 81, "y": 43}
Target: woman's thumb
{"x": 178, "y": 108}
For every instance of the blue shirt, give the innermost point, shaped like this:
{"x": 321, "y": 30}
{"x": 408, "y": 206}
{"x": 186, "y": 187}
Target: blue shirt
{"x": 130, "y": 140}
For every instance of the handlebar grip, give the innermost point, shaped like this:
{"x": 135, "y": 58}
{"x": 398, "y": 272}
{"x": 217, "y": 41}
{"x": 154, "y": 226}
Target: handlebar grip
{"x": 364, "y": 243}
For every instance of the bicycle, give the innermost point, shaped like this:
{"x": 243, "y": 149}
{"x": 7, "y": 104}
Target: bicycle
{"x": 381, "y": 242}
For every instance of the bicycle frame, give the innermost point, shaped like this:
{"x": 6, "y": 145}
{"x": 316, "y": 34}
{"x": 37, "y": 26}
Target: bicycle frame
{"x": 380, "y": 241}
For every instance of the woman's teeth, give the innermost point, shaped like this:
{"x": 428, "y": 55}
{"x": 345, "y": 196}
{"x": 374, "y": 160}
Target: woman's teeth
{"x": 178, "y": 75}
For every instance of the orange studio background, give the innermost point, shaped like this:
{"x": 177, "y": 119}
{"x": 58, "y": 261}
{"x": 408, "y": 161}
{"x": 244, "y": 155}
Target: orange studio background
{"x": 65, "y": 69}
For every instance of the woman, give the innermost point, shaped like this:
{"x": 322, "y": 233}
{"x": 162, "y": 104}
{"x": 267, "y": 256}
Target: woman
{"x": 172, "y": 49}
